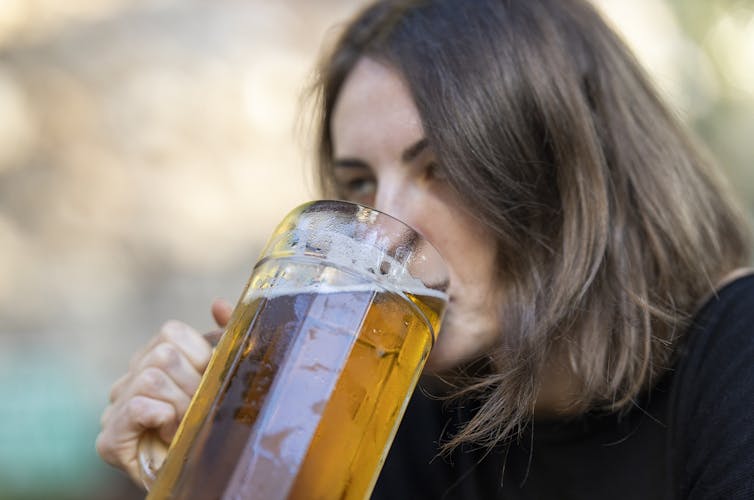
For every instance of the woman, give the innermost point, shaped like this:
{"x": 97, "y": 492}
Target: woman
{"x": 599, "y": 306}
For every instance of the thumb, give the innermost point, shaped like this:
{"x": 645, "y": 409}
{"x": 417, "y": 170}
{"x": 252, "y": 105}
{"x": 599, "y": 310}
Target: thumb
{"x": 221, "y": 311}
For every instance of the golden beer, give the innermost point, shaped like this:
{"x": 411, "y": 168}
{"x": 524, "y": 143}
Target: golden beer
{"x": 305, "y": 390}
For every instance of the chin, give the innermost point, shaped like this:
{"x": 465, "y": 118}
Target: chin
{"x": 438, "y": 362}
{"x": 456, "y": 346}
{"x": 448, "y": 352}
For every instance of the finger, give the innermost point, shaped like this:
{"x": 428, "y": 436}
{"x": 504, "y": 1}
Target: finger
{"x": 169, "y": 360}
{"x": 117, "y": 442}
{"x": 119, "y": 386}
{"x": 151, "y": 455}
{"x": 106, "y": 415}
{"x": 167, "y": 431}
{"x": 138, "y": 355}
{"x": 154, "y": 383}
{"x": 221, "y": 311}
{"x": 182, "y": 335}
{"x": 154, "y": 414}
{"x": 214, "y": 336}
{"x": 191, "y": 343}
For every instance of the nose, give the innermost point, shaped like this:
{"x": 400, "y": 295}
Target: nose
{"x": 390, "y": 198}
{"x": 397, "y": 199}
{"x": 408, "y": 203}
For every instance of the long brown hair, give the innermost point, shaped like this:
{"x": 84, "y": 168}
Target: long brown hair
{"x": 610, "y": 224}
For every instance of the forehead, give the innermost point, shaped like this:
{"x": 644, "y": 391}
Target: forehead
{"x": 374, "y": 111}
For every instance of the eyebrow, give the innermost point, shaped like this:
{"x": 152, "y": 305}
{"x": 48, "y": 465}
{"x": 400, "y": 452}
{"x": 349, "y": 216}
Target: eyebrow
{"x": 349, "y": 163}
{"x": 409, "y": 154}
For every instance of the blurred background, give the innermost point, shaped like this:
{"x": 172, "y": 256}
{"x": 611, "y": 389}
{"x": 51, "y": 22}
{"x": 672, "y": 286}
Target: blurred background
{"x": 148, "y": 147}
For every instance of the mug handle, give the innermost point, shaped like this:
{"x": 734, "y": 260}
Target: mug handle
{"x": 151, "y": 450}
{"x": 151, "y": 454}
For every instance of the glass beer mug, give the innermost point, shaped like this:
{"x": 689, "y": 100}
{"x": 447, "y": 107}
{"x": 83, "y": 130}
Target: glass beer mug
{"x": 306, "y": 388}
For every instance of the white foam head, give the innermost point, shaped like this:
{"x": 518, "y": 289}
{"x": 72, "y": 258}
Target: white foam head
{"x": 347, "y": 245}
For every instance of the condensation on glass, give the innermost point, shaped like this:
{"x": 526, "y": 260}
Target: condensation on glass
{"x": 307, "y": 386}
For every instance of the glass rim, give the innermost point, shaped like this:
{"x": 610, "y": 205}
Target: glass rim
{"x": 369, "y": 216}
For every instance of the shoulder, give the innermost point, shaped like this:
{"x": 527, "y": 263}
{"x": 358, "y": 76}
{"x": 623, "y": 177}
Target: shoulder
{"x": 712, "y": 414}
{"x": 723, "y": 329}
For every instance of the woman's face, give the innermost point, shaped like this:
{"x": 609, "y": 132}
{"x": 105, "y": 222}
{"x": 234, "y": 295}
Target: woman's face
{"x": 382, "y": 159}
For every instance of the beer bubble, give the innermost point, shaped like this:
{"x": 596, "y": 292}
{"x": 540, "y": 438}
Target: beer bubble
{"x": 273, "y": 442}
{"x": 317, "y": 367}
{"x": 334, "y": 329}
{"x": 369, "y": 256}
{"x": 319, "y": 407}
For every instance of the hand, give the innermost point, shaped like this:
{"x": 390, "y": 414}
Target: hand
{"x": 155, "y": 393}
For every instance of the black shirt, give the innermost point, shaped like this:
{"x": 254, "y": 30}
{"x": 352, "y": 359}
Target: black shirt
{"x": 691, "y": 437}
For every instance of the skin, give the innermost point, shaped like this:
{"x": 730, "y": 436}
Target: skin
{"x": 381, "y": 159}
{"x": 155, "y": 392}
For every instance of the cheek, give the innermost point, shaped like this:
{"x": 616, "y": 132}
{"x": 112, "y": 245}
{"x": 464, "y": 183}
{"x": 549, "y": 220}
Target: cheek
{"x": 467, "y": 248}
{"x": 466, "y": 245}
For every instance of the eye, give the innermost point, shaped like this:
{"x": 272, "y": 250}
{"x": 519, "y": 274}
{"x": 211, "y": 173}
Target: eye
{"x": 434, "y": 172}
{"x": 361, "y": 187}
{"x": 355, "y": 185}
